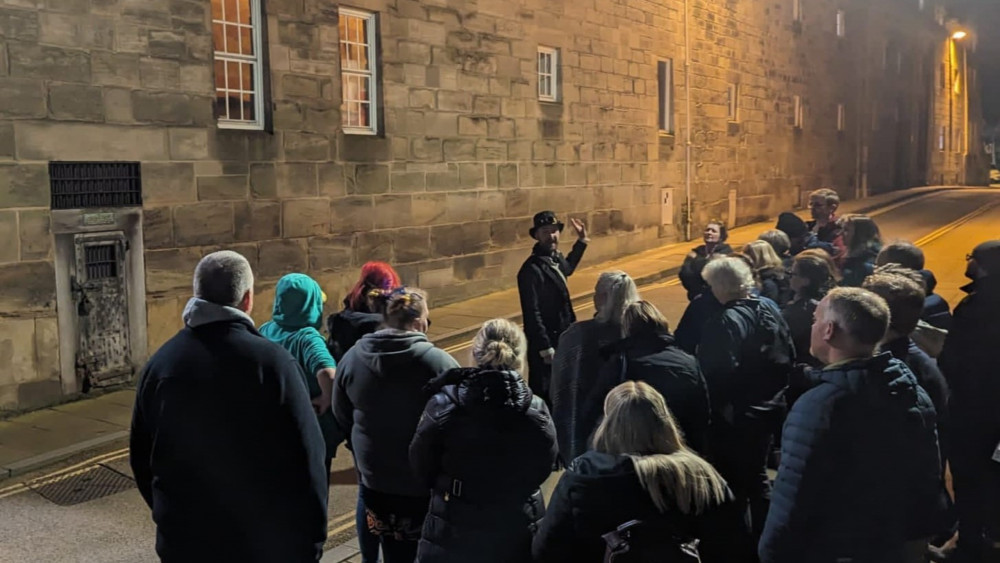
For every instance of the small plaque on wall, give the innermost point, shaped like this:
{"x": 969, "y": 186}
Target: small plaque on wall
{"x": 94, "y": 219}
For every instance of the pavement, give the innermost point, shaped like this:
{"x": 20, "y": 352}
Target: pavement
{"x": 40, "y": 438}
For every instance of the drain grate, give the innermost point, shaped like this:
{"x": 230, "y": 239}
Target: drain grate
{"x": 93, "y": 483}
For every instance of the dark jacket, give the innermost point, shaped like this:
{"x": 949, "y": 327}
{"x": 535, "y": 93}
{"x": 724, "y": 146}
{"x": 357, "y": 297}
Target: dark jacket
{"x": 810, "y": 242}
{"x": 689, "y": 330}
{"x": 776, "y": 286}
{"x": 746, "y": 356}
{"x": 225, "y": 447}
{"x": 857, "y": 267}
{"x": 347, "y": 327}
{"x": 799, "y": 316}
{"x": 484, "y": 446}
{"x": 832, "y": 234}
{"x": 690, "y": 274}
{"x": 378, "y": 397}
{"x": 600, "y": 492}
{"x": 545, "y": 299}
{"x": 658, "y": 361}
{"x": 860, "y": 472}
{"x": 936, "y": 310}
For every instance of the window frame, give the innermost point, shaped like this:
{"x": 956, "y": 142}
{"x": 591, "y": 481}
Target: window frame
{"x": 841, "y": 117}
{"x": 665, "y": 96}
{"x": 841, "y": 24}
{"x": 733, "y": 105}
{"x": 798, "y": 113}
{"x": 553, "y": 54}
{"x": 942, "y": 136}
{"x": 372, "y": 74}
{"x": 257, "y": 62}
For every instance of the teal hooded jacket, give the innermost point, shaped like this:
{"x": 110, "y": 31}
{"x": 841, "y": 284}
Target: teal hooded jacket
{"x": 295, "y": 321}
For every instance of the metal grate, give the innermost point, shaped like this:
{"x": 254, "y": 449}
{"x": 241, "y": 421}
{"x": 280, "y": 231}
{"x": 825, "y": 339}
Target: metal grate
{"x": 81, "y": 185}
{"x": 93, "y": 483}
{"x": 101, "y": 261}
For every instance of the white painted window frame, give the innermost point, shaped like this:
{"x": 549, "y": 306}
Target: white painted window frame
{"x": 370, "y": 75}
{"x": 841, "y": 24}
{"x": 548, "y": 75}
{"x": 256, "y": 62}
{"x": 841, "y": 118}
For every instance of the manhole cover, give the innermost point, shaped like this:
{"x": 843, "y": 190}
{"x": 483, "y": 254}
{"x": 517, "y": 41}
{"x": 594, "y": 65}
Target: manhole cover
{"x": 93, "y": 483}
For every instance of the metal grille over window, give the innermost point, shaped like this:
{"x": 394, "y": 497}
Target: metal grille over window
{"x": 101, "y": 261}
{"x": 238, "y": 82}
{"x": 357, "y": 70}
{"x": 82, "y": 185}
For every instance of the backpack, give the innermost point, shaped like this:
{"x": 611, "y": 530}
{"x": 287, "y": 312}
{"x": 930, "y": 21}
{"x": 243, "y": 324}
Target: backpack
{"x": 639, "y": 542}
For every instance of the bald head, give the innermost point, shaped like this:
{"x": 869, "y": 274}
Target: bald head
{"x": 224, "y": 278}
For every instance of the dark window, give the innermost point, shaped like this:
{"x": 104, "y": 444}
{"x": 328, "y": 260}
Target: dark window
{"x": 101, "y": 261}
{"x": 665, "y": 84}
{"x": 81, "y": 185}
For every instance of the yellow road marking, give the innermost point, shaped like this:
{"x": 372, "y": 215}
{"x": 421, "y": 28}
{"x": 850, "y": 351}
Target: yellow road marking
{"x": 938, "y": 233}
{"x": 339, "y": 529}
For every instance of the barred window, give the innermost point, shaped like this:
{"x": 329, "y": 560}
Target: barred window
{"x": 236, "y": 33}
{"x": 358, "y": 72}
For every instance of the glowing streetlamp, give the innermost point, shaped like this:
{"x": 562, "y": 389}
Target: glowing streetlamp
{"x": 959, "y": 35}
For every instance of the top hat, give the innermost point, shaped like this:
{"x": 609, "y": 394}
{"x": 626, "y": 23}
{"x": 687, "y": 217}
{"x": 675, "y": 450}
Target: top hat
{"x": 792, "y": 225}
{"x": 544, "y": 219}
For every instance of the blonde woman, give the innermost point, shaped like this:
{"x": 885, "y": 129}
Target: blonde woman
{"x": 483, "y": 447}
{"x": 640, "y": 469}
{"x": 769, "y": 271}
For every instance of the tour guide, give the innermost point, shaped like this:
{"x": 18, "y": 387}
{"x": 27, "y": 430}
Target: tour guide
{"x": 545, "y": 302}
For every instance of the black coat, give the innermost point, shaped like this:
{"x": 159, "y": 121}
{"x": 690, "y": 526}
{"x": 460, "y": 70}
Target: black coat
{"x": 936, "y": 310}
{"x": 378, "y": 397}
{"x": 658, "y": 361}
{"x": 776, "y": 286}
{"x": 226, "y": 450}
{"x": 545, "y": 299}
{"x": 600, "y": 492}
{"x": 857, "y": 267}
{"x": 347, "y": 327}
{"x": 860, "y": 472}
{"x": 799, "y": 316}
{"x": 699, "y": 310}
{"x": 694, "y": 262}
{"x": 484, "y": 446}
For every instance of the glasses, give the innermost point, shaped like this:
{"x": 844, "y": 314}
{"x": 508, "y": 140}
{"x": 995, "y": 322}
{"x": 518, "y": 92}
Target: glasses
{"x": 969, "y": 257}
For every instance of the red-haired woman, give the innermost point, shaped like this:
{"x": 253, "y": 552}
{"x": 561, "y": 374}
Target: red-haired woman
{"x": 362, "y": 314}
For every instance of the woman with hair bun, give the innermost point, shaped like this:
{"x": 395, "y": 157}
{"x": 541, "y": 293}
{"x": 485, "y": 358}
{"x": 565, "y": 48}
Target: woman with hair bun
{"x": 483, "y": 447}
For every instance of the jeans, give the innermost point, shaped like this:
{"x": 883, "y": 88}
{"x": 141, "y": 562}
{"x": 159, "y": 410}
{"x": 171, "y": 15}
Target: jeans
{"x": 396, "y": 521}
{"x": 367, "y": 541}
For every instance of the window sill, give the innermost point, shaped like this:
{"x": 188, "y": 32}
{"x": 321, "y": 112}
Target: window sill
{"x": 666, "y": 135}
{"x": 239, "y": 126}
{"x": 552, "y": 102}
{"x": 360, "y": 132}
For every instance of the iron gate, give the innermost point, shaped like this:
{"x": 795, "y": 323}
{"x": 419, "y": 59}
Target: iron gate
{"x": 101, "y": 294}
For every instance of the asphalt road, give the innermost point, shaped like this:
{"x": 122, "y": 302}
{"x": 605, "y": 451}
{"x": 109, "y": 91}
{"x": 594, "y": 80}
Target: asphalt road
{"x": 117, "y": 528}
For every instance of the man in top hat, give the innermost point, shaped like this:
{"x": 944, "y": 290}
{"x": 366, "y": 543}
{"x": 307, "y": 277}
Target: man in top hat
{"x": 545, "y": 301}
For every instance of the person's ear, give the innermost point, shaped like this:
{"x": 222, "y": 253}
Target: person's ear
{"x": 246, "y": 304}
{"x": 829, "y": 331}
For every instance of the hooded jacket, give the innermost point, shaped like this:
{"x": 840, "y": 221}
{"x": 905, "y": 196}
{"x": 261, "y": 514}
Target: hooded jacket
{"x": 295, "y": 321}
{"x": 225, "y": 448}
{"x": 484, "y": 446}
{"x": 378, "y": 397}
{"x": 936, "y": 313}
{"x": 860, "y": 472}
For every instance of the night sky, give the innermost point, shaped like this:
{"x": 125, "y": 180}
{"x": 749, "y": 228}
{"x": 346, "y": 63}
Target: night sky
{"x": 986, "y": 17}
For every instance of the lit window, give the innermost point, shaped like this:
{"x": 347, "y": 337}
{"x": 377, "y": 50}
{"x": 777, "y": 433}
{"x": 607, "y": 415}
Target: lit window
{"x": 942, "y": 135}
{"x": 548, "y": 67}
{"x": 841, "y": 117}
{"x": 841, "y": 24}
{"x": 799, "y": 114}
{"x": 665, "y": 87}
{"x": 358, "y": 72}
{"x": 797, "y": 10}
{"x": 733, "y": 99}
{"x": 236, "y": 28}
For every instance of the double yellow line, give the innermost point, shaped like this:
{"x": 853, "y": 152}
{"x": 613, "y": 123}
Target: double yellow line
{"x": 64, "y": 473}
{"x": 938, "y": 233}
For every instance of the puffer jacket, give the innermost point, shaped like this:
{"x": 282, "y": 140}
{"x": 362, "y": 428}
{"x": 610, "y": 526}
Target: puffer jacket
{"x": 860, "y": 473}
{"x": 483, "y": 447}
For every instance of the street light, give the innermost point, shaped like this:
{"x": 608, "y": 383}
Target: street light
{"x": 959, "y": 35}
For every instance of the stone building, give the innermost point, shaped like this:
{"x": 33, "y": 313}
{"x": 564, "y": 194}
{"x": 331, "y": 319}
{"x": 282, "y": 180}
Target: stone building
{"x": 137, "y": 135}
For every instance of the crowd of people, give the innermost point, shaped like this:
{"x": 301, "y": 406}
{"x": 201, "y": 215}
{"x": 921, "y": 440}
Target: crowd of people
{"x": 816, "y": 350}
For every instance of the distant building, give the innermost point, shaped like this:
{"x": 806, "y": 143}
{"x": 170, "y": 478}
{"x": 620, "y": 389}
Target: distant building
{"x": 137, "y": 135}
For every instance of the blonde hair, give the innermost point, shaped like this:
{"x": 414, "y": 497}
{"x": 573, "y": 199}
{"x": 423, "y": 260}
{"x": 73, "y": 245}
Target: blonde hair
{"x": 642, "y": 317}
{"x": 619, "y": 291}
{"x": 731, "y": 276}
{"x": 762, "y": 255}
{"x": 500, "y": 344}
{"x": 403, "y": 306}
{"x": 637, "y": 423}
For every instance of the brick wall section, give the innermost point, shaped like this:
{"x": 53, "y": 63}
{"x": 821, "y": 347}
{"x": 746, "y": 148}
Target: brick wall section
{"x": 469, "y": 153}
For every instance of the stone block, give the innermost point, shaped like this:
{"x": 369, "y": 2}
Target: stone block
{"x": 37, "y": 61}
{"x": 117, "y": 105}
{"x": 375, "y": 245}
{"x": 283, "y": 256}
{"x": 460, "y": 239}
{"x": 505, "y": 232}
{"x": 306, "y": 147}
{"x": 47, "y": 348}
{"x": 172, "y": 109}
{"x": 412, "y": 245}
{"x": 222, "y": 187}
{"x": 197, "y": 79}
{"x": 468, "y": 268}
{"x": 352, "y": 214}
{"x": 228, "y": 144}
{"x": 38, "y": 394}
{"x": 331, "y": 180}
{"x": 257, "y": 220}
{"x": 518, "y": 202}
{"x": 157, "y": 228}
{"x": 492, "y": 205}
{"x": 170, "y": 270}
{"x": 187, "y": 143}
{"x": 443, "y": 180}
{"x": 159, "y": 74}
{"x": 369, "y": 179}
{"x": 507, "y": 175}
{"x": 459, "y": 149}
{"x": 472, "y": 175}
{"x": 264, "y": 147}
{"x": 296, "y": 179}
{"x": 298, "y": 35}
{"x": 365, "y": 148}
{"x": 76, "y": 102}
{"x": 168, "y": 182}
{"x": 474, "y": 126}
{"x": 22, "y": 98}
{"x": 428, "y": 209}
{"x": 322, "y": 121}
{"x": 426, "y": 149}
{"x": 299, "y": 86}
{"x": 454, "y": 101}
{"x": 19, "y": 298}
{"x": 491, "y": 150}
{"x": 24, "y": 185}
{"x": 263, "y": 181}
{"x": 36, "y": 234}
{"x": 305, "y": 217}
{"x": 330, "y": 253}
{"x": 167, "y": 44}
{"x": 17, "y": 351}
{"x": 415, "y": 53}
{"x": 462, "y": 207}
{"x": 19, "y": 25}
{"x": 203, "y": 224}
{"x": 393, "y": 211}
{"x": 408, "y": 182}
{"x": 488, "y": 105}
{"x": 8, "y": 232}
{"x": 437, "y": 277}
{"x": 114, "y": 69}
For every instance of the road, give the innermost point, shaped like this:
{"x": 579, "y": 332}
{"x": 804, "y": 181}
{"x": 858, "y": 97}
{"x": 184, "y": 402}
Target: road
{"x": 117, "y": 528}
